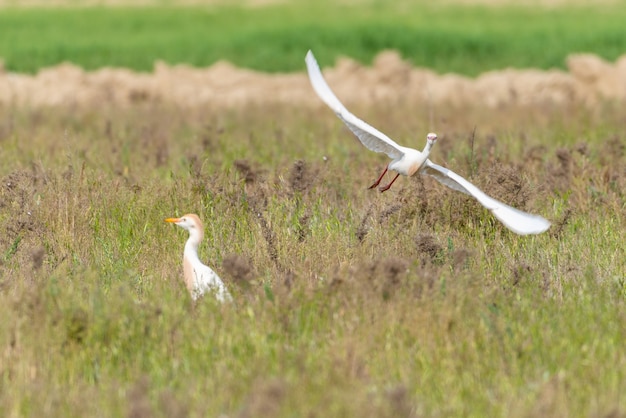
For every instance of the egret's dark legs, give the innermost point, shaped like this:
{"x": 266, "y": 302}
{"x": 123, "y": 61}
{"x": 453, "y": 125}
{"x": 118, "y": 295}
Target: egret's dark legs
{"x": 385, "y": 188}
{"x": 379, "y": 179}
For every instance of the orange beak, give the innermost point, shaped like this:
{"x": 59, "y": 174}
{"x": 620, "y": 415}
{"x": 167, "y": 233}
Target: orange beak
{"x": 172, "y": 220}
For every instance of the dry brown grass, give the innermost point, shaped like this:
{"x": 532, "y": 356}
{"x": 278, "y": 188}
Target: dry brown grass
{"x": 589, "y": 81}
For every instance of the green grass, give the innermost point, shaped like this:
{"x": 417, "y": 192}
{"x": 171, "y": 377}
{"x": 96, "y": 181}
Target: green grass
{"x": 415, "y": 302}
{"x": 461, "y": 39}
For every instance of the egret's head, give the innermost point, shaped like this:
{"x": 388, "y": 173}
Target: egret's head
{"x": 191, "y": 222}
{"x": 431, "y": 138}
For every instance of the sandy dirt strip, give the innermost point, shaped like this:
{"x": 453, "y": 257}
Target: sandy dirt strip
{"x": 260, "y": 3}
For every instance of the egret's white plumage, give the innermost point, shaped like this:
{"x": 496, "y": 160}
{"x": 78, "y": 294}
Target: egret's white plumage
{"x": 408, "y": 161}
{"x": 199, "y": 278}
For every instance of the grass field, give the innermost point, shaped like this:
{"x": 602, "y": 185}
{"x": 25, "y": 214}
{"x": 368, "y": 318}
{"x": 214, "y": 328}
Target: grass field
{"x": 348, "y": 302}
{"x": 453, "y": 38}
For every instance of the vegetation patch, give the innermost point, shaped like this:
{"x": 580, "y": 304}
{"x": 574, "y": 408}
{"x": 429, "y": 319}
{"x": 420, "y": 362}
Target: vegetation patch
{"x": 466, "y": 39}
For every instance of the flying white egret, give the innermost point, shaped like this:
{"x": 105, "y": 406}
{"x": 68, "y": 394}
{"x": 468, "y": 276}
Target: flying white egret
{"x": 199, "y": 278}
{"x": 408, "y": 161}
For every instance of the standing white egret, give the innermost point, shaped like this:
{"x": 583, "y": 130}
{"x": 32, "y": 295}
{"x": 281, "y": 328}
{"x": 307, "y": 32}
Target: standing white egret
{"x": 408, "y": 161}
{"x": 199, "y": 278}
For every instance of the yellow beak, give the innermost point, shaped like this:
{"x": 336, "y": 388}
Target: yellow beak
{"x": 172, "y": 220}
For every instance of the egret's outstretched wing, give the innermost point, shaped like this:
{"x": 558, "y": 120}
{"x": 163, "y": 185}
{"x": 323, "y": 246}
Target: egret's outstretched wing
{"x": 369, "y": 136}
{"x": 517, "y": 221}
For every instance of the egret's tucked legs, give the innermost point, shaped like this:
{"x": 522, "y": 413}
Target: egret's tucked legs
{"x": 379, "y": 179}
{"x": 385, "y": 188}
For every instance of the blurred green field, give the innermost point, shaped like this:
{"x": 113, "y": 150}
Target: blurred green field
{"x": 447, "y": 38}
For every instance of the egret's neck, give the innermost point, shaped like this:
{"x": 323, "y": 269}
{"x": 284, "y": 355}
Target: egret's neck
{"x": 191, "y": 246}
{"x": 427, "y": 148}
